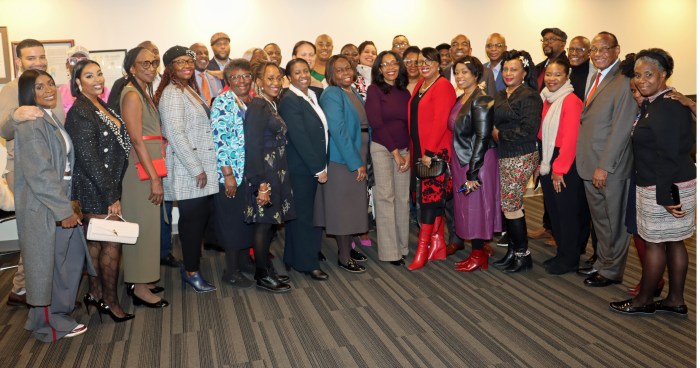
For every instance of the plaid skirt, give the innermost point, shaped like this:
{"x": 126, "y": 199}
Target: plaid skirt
{"x": 655, "y": 224}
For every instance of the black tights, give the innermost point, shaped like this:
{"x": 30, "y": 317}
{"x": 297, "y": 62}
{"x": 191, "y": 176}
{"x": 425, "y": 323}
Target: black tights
{"x": 657, "y": 256}
{"x": 262, "y": 236}
{"x": 477, "y": 244}
{"x": 344, "y": 245}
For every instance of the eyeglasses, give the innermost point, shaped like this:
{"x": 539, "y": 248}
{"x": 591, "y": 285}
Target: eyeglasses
{"x": 237, "y": 77}
{"x": 492, "y": 45}
{"x": 392, "y": 64}
{"x": 409, "y": 62}
{"x": 75, "y": 60}
{"x": 147, "y": 64}
{"x": 400, "y": 44}
{"x": 603, "y": 50}
{"x": 181, "y": 63}
{"x": 551, "y": 39}
{"x": 426, "y": 62}
{"x": 577, "y": 50}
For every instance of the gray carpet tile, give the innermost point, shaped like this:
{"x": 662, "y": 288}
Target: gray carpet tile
{"x": 386, "y": 317}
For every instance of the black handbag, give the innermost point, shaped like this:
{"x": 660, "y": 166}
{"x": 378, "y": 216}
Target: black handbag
{"x": 437, "y": 168}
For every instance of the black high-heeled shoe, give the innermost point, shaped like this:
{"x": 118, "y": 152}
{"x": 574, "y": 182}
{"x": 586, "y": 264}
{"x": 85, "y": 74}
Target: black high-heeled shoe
{"x": 89, "y": 300}
{"x": 104, "y": 308}
{"x": 162, "y": 303}
{"x": 130, "y": 289}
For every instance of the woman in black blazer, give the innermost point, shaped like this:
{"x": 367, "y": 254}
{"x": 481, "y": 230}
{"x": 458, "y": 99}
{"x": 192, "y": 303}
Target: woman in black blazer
{"x": 307, "y": 136}
{"x": 102, "y": 147}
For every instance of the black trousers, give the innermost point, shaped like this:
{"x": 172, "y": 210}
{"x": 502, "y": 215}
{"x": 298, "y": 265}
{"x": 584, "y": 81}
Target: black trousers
{"x": 194, "y": 216}
{"x": 302, "y": 240}
{"x": 569, "y": 214}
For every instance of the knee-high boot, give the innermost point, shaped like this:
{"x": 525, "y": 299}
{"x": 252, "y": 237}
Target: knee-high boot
{"x": 510, "y": 254}
{"x": 438, "y": 248}
{"x": 422, "y": 250}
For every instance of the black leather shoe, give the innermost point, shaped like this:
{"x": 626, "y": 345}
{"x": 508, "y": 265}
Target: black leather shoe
{"x": 357, "y": 256}
{"x": 237, "y": 279}
{"x": 317, "y": 275}
{"x": 591, "y": 261}
{"x": 272, "y": 284}
{"x": 273, "y": 272}
{"x": 170, "y": 261}
{"x": 626, "y": 307}
{"x": 680, "y": 309}
{"x": 212, "y": 246}
{"x": 586, "y": 271}
{"x": 519, "y": 264}
{"x": 321, "y": 257}
{"x": 598, "y": 280}
{"x": 400, "y": 262}
{"x": 352, "y": 266}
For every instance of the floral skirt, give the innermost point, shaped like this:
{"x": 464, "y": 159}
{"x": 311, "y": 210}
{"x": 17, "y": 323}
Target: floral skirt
{"x": 515, "y": 173}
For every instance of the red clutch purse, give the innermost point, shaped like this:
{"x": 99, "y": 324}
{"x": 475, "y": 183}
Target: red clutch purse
{"x": 158, "y": 164}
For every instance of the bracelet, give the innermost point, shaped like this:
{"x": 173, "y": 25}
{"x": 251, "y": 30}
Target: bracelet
{"x": 264, "y": 191}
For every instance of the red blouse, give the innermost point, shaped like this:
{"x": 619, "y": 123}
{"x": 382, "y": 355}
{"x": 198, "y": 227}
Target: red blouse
{"x": 433, "y": 113}
{"x": 569, "y": 122}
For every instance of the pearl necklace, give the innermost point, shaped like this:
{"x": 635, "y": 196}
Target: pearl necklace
{"x": 423, "y": 89}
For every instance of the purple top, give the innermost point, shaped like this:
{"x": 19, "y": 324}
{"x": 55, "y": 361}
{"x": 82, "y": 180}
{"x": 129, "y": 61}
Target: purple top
{"x": 388, "y": 116}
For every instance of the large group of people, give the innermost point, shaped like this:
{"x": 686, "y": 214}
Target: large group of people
{"x": 245, "y": 146}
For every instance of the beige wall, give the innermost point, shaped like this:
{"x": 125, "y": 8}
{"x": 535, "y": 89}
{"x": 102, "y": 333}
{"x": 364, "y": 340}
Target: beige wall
{"x": 109, "y": 24}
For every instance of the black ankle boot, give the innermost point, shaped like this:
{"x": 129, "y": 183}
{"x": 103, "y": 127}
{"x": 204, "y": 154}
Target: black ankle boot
{"x": 507, "y": 259}
{"x": 521, "y": 263}
{"x": 266, "y": 281}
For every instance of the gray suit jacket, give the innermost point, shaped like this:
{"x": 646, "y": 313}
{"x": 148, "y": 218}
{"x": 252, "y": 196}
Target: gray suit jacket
{"x": 9, "y": 102}
{"x": 41, "y": 201}
{"x": 190, "y": 150}
{"x": 606, "y": 127}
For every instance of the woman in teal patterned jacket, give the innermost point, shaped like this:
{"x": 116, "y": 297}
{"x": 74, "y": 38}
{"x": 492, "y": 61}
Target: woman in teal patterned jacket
{"x": 227, "y": 115}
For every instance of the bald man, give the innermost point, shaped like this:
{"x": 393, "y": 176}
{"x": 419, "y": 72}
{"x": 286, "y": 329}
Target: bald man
{"x": 495, "y": 47}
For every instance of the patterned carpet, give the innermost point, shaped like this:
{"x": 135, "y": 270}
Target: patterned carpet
{"x": 386, "y": 317}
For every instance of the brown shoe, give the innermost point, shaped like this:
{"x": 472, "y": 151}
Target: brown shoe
{"x": 551, "y": 242}
{"x": 452, "y": 248}
{"x": 540, "y": 233}
{"x": 16, "y": 300}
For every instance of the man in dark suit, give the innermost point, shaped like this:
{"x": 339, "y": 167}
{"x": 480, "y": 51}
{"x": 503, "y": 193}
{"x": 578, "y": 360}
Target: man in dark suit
{"x": 495, "y": 47}
{"x": 221, "y": 46}
{"x": 604, "y": 158}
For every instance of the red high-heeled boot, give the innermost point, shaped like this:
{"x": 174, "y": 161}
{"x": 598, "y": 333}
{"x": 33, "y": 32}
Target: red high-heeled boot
{"x": 438, "y": 249}
{"x": 478, "y": 258}
{"x": 422, "y": 249}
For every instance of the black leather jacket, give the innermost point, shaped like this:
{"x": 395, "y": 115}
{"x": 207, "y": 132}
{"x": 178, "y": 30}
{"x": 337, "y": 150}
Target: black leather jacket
{"x": 472, "y": 132}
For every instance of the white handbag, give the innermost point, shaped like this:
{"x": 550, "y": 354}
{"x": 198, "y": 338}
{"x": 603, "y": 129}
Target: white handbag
{"x": 113, "y": 231}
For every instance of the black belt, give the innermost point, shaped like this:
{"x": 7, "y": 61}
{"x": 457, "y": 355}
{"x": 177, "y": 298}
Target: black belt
{"x": 364, "y": 130}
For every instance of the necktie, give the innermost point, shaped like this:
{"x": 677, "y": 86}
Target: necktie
{"x": 205, "y": 89}
{"x": 595, "y": 85}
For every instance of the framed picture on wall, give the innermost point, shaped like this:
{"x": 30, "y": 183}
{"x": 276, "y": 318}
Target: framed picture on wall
{"x": 56, "y": 51}
{"x": 5, "y": 59}
{"x": 111, "y": 62}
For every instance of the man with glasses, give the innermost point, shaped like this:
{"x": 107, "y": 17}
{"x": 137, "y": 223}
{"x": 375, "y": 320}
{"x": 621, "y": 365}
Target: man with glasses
{"x": 554, "y": 47}
{"x": 582, "y": 71}
{"x": 74, "y": 55}
{"x": 604, "y": 159}
{"x": 30, "y": 56}
{"x": 495, "y": 47}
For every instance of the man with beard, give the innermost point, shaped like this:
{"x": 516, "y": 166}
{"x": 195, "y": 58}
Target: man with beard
{"x": 207, "y": 83}
{"x": 554, "y": 47}
{"x": 221, "y": 46}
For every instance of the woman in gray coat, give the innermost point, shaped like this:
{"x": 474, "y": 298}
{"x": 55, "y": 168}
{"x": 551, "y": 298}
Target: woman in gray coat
{"x": 50, "y": 238}
{"x": 190, "y": 157}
